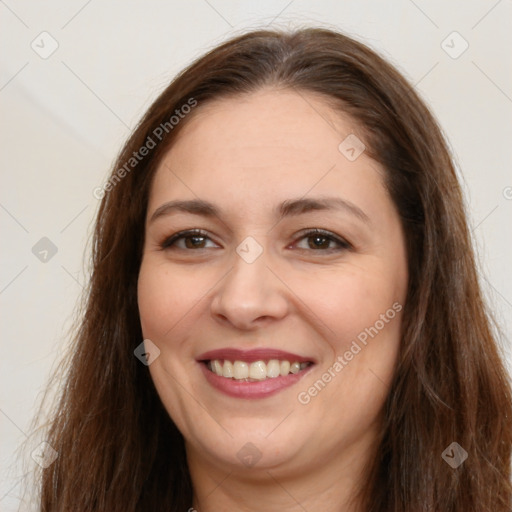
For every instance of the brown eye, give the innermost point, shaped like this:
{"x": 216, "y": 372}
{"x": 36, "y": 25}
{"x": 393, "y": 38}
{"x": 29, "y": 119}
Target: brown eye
{"x": 192, "y": 239}
{"x": 322, "y": 241}
{"x": 318, "y": 242}
{"x": 194, "y": 242}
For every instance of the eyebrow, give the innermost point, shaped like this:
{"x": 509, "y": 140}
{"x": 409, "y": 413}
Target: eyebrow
{"x": 288, "y": 208}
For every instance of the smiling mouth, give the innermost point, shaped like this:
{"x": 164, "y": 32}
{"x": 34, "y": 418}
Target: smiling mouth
{"x": 255, "y": 371}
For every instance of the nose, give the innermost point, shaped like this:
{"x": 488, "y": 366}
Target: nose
{"x": 250, "y": 295}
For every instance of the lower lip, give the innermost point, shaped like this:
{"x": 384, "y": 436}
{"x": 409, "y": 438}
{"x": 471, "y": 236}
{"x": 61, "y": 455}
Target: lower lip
{"x": 257, "y": 389}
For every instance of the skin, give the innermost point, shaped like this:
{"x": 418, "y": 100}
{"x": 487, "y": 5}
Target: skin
{"x": 247, "y": 155}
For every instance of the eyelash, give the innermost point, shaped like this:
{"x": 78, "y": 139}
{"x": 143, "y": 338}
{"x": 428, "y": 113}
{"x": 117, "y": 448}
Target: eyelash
{"x": 309, "y": 233}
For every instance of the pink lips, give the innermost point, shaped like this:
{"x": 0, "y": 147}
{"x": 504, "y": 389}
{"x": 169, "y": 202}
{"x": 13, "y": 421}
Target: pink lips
{"x": 251, "y": 390}
{"x": 249, "y": 356}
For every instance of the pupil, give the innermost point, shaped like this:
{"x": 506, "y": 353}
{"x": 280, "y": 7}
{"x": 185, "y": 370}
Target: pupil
{"x": 319, "y": 242}
{"x": 194, "y": 241}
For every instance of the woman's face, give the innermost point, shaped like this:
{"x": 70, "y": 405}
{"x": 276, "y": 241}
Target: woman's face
{"x": 234, "y": 307}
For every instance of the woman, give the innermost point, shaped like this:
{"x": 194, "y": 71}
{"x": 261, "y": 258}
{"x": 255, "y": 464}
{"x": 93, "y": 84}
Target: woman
{"x": 284, "y": 311}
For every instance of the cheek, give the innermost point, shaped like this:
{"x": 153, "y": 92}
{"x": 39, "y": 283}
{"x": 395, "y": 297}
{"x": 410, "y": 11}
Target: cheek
{"x": 347, "y": 302}
{"x": 163, "y": 299}
{"x": 169, "y": 296}
{"x": 151, "y": 298}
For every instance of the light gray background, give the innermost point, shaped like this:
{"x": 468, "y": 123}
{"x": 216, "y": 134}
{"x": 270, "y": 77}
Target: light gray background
{"x": 64, "y": 118}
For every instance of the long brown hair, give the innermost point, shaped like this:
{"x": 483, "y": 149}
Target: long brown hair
{"x": 119, "y": 449}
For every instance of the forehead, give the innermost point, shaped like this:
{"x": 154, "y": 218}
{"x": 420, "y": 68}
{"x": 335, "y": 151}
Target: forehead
{"x": 265, "y": 146}
{"x": 267, "y": 121}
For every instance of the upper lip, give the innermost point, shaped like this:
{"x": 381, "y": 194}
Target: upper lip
{"x": 249, "y": 356}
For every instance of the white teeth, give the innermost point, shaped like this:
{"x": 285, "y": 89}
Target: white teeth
{"x": 257, "y": 370}
{"x": 273, "y": 368}
{"x": 241, "y": 370}
{"x": 295, "y": 368}
{"x": 285, "y": 368}
{"x": 228, "y": 370}
{"x": 217, "y": 367}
